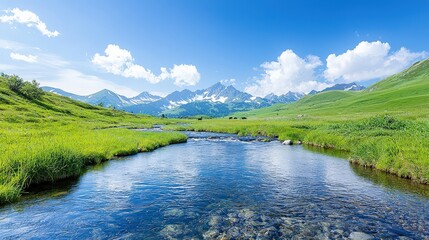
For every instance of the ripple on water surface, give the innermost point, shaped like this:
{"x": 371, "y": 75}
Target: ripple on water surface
{"x": 223, "y": 188}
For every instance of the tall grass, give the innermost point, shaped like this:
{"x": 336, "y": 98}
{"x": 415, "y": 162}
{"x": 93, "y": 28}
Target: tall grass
{"x": 47, "y": 154}
{"x": 53, "y": 137}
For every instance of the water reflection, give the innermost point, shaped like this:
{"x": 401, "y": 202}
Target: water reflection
{"x": 378, "y": 177}
{"x": 223, "y": 188}
{"x": 390, "y": 181}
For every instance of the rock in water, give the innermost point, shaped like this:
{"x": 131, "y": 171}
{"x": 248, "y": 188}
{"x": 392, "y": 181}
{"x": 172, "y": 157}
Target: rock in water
{"x": 174, "y": 212}
{"x": 287, "y": 142}
{"x": 360, "y": 236}
{"x": 172, "y": 230}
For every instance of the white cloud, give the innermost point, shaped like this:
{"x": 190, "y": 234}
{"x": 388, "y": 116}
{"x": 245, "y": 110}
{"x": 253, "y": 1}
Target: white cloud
{"x": 369, "y": 60}
{"x": 119, "y": 61}
{"x": 288, "y": 73}
{"x": 21, "y": 57}
{"x": 52, "y": 70}
{"x": 28, "y": 18}
{"x": 74, "y": 81}
{"x": 185, "y": 75}
{"x": 11, "y": 45}
{"x": 228, "y": 82}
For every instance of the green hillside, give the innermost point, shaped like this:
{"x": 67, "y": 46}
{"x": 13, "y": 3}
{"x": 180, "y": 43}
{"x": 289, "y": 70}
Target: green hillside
{"x": 52, "y": 137}
{"x": 403, "y": 94}
{"x": 385, "y": 126}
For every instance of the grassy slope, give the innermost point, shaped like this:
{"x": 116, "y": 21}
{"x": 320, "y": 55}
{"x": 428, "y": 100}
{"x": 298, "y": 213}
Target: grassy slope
{"x": 385, "y": 126}
{"x": 403, "y": 94}
{"x": 55, "y": 137}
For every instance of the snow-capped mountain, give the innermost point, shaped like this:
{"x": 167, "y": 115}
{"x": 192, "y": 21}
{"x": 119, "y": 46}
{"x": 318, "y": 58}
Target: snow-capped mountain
{"x": 223, "y": 94}
{"x": 345, "y": 87}
{"x": 107, "y": 98}
{"x": 220, "y": 96}
{"x": 284, "y": 98}
{"x": 342, "y": 87}
{"x": 217, "y": 93}
{"x": 144, "y": 97}
{"x": 217, "y": 100}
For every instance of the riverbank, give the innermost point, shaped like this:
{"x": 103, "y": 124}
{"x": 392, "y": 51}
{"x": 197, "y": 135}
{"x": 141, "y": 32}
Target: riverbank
{"x": 50, "y": 137}
{"x": 216, "y": 186}
{"x": 35, "y": 154}
{"x": 391, "y": 144}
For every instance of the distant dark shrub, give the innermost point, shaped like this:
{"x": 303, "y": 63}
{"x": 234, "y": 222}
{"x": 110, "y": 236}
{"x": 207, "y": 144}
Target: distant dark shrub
{"x": 244, "y": 118}
{"x": 27, "y": 89}
{"x": 200, "y": 118}
{"x": 230, "y": 117}
{"x": 31, "y": 90}
{"x": 14, "y": 82}
{"x": 235, "y": 117}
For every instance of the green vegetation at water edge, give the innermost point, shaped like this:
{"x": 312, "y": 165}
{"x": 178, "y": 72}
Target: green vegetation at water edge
{"x": 45, "y": 137}
{"x": 385, "y": 126}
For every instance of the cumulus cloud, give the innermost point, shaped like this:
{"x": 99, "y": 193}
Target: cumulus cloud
{"x": 119, "y": 61}
{"x": 28, "y": 18}
{"x": 369, "y": 60}
{"x": 185, "y": 75}
{"x": 21, "y": 57}
{"x": 289, "y": 73}
{"x": 52, "y": 70}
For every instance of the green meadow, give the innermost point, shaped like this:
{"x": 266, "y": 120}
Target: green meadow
{"x": 52, "y": 137}
{"x": 385, "y": 126}
{"x": 49, "y": 137}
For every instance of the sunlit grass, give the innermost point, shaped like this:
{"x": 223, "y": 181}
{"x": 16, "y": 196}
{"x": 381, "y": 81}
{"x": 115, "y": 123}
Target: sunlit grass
{"x": 34, "y": 155}
{"x": 55, "y": 137}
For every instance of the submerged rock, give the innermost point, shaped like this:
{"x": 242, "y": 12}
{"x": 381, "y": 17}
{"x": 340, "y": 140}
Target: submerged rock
{"x": 215, "y": 220}
{"x": 172, "y": 230}
{"x": 211, "y": 234}
{"x": 246, "y": 213}
{"x": 360, "y": 236}
{"x": 174, "y": 212}
{"x": 267, "y": 233}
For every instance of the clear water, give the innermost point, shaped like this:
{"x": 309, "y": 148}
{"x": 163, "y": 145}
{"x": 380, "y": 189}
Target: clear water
{"x": 223, "y": 188}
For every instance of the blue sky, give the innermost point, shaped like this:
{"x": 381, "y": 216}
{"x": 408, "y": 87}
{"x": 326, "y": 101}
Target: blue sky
{"x": 259, "y": 46}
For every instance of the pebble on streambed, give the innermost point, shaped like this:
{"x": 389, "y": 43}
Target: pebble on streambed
{"x": 360, "y": 236}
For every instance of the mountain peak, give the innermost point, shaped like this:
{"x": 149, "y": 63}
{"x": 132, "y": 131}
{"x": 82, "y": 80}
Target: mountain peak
{"x": 284, "y": 98}
{"x": 144, "y": 97}
{"x": 216, "y": 87}
{"x": 345, "y": 87}
{"x": 218, "y": 84}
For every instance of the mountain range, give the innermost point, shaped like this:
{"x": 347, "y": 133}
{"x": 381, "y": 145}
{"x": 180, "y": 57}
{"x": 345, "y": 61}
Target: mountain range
{"x": 107, "y": 98}
{"x": 215, "y": 101}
